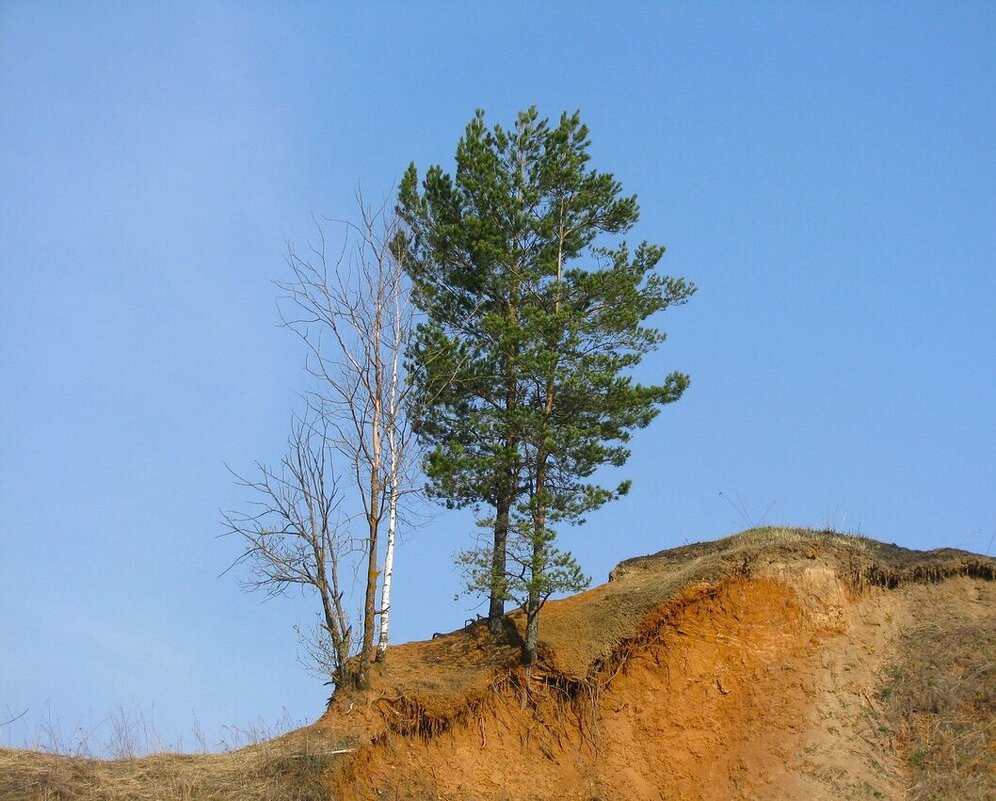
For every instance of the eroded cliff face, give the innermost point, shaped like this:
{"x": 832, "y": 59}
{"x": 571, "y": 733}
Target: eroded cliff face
{"x": 757, "y": 679}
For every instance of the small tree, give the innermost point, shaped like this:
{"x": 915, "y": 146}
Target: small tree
{"x": 354, "y": 316}
{"x": 535, "y": 568}
{"x": 533, "y": 325}
{"x": 296, "y": 537}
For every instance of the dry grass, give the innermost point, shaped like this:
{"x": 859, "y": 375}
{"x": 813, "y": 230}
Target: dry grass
{"x": 290, "y": 768}
{"x": 856, "y": 558}
{"x": 941, "y": 694}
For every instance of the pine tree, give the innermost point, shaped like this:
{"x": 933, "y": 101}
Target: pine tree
{"x": 532, "y": 325}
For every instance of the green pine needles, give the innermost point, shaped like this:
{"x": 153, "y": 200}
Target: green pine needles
{"x": 534, "y": 316}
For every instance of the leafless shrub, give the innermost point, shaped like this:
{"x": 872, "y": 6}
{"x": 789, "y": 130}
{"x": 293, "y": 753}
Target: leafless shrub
{"x": 295, "y": 535}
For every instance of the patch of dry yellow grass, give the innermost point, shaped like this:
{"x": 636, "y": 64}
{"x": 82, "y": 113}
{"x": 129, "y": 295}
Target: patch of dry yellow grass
{"x": 290, "y": 768}
{"x": 941, "y": 693}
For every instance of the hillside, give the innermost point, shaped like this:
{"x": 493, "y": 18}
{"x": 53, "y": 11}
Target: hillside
{"x": 775, "y": 664}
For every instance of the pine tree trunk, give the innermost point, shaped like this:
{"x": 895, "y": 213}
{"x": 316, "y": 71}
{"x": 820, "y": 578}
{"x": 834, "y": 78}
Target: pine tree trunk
{"x": 510, "y": 474}
{"x": 529, "y": 654}
{"x": 537, "y": 566}
{"x": 496, "y": 609}
{"x": 503, "y": 504}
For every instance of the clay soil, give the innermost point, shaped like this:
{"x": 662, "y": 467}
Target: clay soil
{"x": 770, "y": 665}
{"x": 750, "y": 668}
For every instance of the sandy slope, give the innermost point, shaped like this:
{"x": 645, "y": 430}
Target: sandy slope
{"x": 758, "y": 680}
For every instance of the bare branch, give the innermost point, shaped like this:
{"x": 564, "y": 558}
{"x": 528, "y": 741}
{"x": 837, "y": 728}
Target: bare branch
{"x": 299, "y": 537}
{"x": 351, "y": 310}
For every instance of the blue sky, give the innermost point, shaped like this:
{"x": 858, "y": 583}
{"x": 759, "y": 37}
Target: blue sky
{"x": 823, "y": 172}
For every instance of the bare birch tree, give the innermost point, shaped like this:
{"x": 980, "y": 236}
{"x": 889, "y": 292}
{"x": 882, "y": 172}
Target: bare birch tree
{"x": 295, "y": 536}
{"x": 354, "y": 316}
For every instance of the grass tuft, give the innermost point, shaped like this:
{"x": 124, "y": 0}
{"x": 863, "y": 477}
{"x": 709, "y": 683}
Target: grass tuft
{"x": 941, "y": 697}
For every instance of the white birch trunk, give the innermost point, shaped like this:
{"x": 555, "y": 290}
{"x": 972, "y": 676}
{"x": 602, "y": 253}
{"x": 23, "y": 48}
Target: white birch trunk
{"x": 394, "y": 466}
{"x": 385, "y": 602}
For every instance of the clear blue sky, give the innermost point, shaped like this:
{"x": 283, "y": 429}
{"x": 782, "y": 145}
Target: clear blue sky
{"x": 824, "y": 172}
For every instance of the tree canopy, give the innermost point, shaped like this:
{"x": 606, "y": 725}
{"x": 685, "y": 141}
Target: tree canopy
{"x": 535, "y": 312}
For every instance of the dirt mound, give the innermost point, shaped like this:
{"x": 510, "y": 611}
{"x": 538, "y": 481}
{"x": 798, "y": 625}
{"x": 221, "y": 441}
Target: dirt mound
{"x": 776, "y": 664}
{"x": 751, "y": 667}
